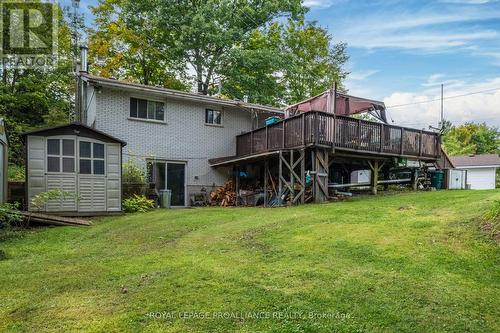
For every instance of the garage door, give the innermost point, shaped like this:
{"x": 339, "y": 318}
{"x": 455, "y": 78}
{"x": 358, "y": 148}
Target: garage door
{"x": 481, "y": 179}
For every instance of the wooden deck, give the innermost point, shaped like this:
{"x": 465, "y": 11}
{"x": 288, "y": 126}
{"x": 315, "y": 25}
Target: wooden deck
{"x": 342, "y": 134}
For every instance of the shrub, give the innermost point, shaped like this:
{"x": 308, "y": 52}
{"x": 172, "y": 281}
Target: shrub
{"x": 39, "y": 200}
{"x": 16, "y": 173}
{"x": 132, "y": 173}
{"x": 137, "y": 203}
{"x": 9, "y": 215}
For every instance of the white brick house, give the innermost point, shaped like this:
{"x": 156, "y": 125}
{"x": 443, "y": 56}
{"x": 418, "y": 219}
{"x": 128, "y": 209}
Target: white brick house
{"x": 172, "y": 133}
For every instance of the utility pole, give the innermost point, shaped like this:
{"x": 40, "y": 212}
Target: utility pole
{"x": 441, "y": 123}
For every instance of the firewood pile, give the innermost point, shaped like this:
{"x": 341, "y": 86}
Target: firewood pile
{"x": 223, "y": 196}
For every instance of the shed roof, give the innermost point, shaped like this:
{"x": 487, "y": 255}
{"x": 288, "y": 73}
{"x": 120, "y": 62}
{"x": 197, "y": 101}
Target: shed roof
{"x": 476, "y": 160}
{"x": 73, "y": 128}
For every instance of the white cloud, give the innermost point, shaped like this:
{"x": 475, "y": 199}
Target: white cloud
{"x": 430, "y": 41}
{"x": 484, "y": 107}
{"x": 318, "y": 3}
{"x": 361, "y": 75}
{"x": 428, "y": 30}
{"x": 439, "y": 78}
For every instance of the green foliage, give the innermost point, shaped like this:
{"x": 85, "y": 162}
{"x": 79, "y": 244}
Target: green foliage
{"x": 315, "y": 64}
{"x": 42, "y": 198}
{"x": 133, "y": 173}
{"x": 16, "y": 173}
{"x": 127, "y": 46}
{"x": 491, "y": 223}
{"x": 494, "y": 212}
{"x": 244, "y": 44}
{"x": 9, "y": 215}
{"x": 471, "y": 138}
{"x": 137, "y": 204}
{"x": 37, "y": 97}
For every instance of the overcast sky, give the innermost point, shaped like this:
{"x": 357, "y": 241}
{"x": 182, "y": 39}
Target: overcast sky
{"x": 401, "y": 51}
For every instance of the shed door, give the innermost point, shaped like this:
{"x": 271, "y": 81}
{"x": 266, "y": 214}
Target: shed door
{"x": 113, "y": 176}
{"x": 91, "y": 175}
{"x": 61, "y": 174}
{"x": 456, "y": 179}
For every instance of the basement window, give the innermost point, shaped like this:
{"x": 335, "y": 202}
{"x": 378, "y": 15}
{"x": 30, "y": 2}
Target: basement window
{"x": 144, "y": 109}
{"x": 213, "y": 117}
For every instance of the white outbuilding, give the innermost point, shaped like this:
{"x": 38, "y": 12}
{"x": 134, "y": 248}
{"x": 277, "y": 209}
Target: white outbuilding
{"x": 78, "y": 160}
{"x": 481, "y": 170}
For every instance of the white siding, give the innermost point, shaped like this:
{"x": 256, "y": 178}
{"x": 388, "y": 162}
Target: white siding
{"x": 36, "y": 167}
{"x": 481, "y": 178}
{"x": 183, "y": 137}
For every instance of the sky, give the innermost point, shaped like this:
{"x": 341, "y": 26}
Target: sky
{"x": 402, "y": 51}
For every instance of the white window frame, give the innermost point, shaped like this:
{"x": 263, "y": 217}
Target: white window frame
{"x": 61, "y": 154}
{"x": 148, "y": 100}
{"x": 92, "y": 158}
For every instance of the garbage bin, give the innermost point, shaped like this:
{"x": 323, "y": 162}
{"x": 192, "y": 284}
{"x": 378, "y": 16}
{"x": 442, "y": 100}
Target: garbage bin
{"x": 437, "y": 178}
{"x": 165, "y": 198}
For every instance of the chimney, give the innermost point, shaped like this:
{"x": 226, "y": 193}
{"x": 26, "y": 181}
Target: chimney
{"x": 84, "y": 65}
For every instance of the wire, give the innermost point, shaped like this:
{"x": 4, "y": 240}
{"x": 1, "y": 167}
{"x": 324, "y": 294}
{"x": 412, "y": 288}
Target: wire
{"x": 448, "y": 97}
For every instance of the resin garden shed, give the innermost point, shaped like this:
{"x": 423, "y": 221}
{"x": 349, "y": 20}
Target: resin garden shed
{"x": 85, "y": 164}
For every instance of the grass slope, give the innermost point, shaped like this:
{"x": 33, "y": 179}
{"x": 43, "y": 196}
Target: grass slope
{"x": 402, "y": 263}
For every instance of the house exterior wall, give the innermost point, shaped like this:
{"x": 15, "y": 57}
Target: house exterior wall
{"x": 183, "y": 137}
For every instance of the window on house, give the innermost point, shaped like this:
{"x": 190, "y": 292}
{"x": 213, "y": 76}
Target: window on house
{"x": 91, "y": 158}
{"x": 213, "y": 117}
{"x": 60, "y": 155}
{"x": 143, "y": 109}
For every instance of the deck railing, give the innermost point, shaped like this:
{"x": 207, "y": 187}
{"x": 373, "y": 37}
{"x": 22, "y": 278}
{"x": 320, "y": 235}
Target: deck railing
{"x": 341, "y": 132}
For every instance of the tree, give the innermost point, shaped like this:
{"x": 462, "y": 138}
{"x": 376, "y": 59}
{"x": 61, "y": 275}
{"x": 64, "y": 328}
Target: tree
{"x": 244, "y": 44}
{"x": 177, "y": 34}
{"x": 471, "y": 138}
{"x": 29, "y": 96}
{"x": 126, "y": 45}
{"x": 285, "y": 64}
{"x": 316, "y": 64}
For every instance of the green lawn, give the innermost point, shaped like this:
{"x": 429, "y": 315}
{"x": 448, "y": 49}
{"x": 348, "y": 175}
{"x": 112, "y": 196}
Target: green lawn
{"x": 413, "y": 262}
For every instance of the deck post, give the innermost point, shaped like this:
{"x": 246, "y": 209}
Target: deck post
{"x": 283, "y": 134}
{"x": 414, "y": 180}
{"x": 303, "y": 175}
{"x": 375, "y": 170}
{"x": 402, "y": 140}
{"x": 280, "y": 173}
{"x": 292, "y": 181}
{"x": 237, "y": 185}
{"x": 266, "y": 172}
{"x": 267, "y": 138}
{"x": 320, "y": 170}
{"x": 420, "y": 144}
{"x": 382, "y": 134}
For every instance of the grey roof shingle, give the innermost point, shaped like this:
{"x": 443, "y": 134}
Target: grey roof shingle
{"x": 475, "y": 160}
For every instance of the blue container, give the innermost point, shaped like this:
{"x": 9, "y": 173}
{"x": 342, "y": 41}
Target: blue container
{"x": 272, "y": 120}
